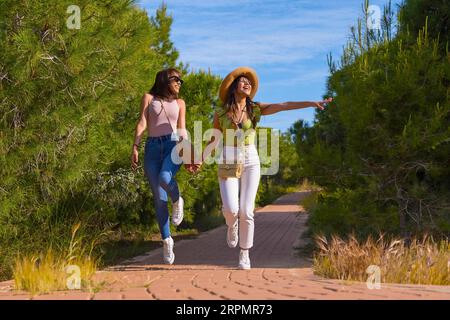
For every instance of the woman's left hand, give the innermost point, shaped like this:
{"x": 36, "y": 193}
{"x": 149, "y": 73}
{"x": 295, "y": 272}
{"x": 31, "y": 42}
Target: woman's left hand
{"x": 322, "y": 104}
{"x": 190, "y": 168}
{"x": 197, "y": 167}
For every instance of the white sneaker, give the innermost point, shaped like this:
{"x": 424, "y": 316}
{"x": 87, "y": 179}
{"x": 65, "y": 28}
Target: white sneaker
{"x": 233, "y": 235}
{"x": 244, "y": 260}
{"x": 168, "y": 254}
{"x": 177, "y": 212}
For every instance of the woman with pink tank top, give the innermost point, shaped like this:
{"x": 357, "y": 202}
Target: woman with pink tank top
{"x": 163, "y": 115}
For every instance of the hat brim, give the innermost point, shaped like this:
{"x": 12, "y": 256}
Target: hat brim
{"x": 247, "y": 72}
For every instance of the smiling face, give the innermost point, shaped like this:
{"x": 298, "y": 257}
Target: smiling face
{"x": 167, "y": 84}
{"x": 175, "y": 82}
{"x": 244, "y": 86}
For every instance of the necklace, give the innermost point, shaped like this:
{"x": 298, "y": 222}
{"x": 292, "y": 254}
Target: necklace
{"x": 243, "y": 110}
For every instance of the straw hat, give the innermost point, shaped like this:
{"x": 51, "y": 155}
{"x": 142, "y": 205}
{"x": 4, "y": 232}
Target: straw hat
{"x": 236, "y": 73}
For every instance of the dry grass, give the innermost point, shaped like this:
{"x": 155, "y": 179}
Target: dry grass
{"x": 307, "y": 185}
{"x": 50, "y": 271}
{"x": 424, "y": 261}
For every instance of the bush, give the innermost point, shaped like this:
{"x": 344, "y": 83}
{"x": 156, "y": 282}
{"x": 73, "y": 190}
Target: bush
{"x": 382, "y": 147}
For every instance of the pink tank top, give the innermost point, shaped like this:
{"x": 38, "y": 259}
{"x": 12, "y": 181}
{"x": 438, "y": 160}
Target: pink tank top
{"x": 157, "y": 122}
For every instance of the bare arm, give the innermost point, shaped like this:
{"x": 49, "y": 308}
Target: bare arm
{"x": 181, "y": 125}
{"x": 140, "y": 129}
{"x": 181, "y": 131}
{"x": 142, "y": 123}
{"x": 271, "y": 108}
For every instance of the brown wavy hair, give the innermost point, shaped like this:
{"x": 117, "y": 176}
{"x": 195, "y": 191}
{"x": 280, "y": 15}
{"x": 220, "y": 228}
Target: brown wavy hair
{"x": 161, "y": 87}
{"x": 230, "y": 104}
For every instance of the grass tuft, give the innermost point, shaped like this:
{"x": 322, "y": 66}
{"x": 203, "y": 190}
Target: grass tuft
{"x": 52, "y": 270}
{"x": 423, "y": 261}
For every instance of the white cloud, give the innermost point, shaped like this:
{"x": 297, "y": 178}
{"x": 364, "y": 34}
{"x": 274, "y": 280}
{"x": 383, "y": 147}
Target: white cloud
{"x": 285, "y": 40}
{"x": 221, "y": 42}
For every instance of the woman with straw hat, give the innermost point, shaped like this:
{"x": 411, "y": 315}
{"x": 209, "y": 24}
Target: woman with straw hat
{"x": 239, "y": 184}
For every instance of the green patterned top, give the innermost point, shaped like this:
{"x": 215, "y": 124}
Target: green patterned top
{"x": 247, "y": 127}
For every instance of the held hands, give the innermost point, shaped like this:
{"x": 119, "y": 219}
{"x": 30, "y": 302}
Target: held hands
{"x": 322, "y": 104}
{"x": 193, "y": 167}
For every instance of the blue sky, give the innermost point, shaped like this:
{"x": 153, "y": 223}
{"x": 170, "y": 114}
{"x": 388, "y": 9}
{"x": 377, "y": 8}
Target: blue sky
{"x": 286, "y": 42}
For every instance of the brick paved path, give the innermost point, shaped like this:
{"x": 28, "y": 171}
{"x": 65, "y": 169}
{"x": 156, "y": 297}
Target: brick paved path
{"x": 205, "y": 268}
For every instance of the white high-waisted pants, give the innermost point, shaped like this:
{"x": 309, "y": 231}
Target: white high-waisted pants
{"x": 241, "y": 206}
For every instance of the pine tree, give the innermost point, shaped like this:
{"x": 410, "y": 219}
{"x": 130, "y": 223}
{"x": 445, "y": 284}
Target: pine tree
{"x": 165, "y": 47}
{"x": 382, "y": 152}
{"x": 69, "y": 101}
{"x": 414, "y": 14}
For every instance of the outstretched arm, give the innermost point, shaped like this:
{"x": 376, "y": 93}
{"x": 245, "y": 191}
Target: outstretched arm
{"x": 271, "y": 108}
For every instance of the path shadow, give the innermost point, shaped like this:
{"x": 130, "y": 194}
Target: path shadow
{"x": 275, "y": 234}
{"x": 210, "y": 250}
{"x": 119, "y": 251}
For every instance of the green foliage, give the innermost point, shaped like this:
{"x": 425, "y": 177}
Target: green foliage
{"x": 436, "y": 13}
{"x": 288, "y": 175}
{"x": 201, "y": 191}
{"x": 165, "y": 47}
{"x": 383, "y": 145}
{"x": 343, "y": 212}
{"x": 68, "y": 102}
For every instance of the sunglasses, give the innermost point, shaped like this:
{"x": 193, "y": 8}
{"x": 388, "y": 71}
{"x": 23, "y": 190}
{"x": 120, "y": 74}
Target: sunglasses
{"x": 180, "y": 82}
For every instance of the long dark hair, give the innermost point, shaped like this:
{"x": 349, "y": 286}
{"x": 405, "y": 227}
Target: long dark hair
{"x": 230, "y": 105}
{"x": 161, "y": 87}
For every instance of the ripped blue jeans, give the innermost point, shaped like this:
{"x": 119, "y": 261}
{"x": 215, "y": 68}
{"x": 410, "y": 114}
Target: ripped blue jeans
{"x": 160, "y": 171}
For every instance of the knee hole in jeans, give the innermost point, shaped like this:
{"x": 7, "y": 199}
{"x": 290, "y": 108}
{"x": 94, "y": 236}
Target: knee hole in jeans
{"x": 164, "y": 179}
